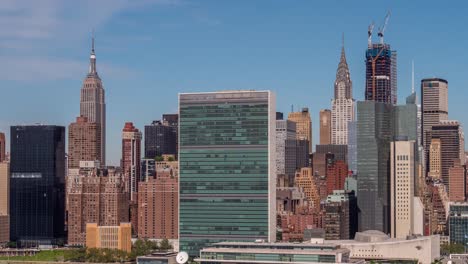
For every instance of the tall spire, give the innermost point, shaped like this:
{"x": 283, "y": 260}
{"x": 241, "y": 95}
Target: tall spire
{"x": 343, "y": 56}
{"x": 412, "y": 76}
{"x": 92, "y": 43}
{"x": 92, "y": 59}
{"x": 342, "y": 76}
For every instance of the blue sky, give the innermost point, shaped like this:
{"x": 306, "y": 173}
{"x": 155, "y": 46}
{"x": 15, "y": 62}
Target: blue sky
{"x": 150, "y": 50}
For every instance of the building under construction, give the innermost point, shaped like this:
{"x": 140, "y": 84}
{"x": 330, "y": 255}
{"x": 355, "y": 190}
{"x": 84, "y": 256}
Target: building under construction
{"x": 381, "y": 74}
{"x": 381, "y": 68}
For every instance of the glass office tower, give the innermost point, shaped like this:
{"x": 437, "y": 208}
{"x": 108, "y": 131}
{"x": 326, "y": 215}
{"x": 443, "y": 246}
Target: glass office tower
{"x": 37, "y": 185}
{"x": 227, "y": 168}
{"x": 374, "y": 134}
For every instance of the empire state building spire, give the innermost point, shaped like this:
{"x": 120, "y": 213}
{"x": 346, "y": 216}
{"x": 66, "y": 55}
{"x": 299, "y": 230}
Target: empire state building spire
{"x": 93, "y": 103}
{"x": 92, "y": 60}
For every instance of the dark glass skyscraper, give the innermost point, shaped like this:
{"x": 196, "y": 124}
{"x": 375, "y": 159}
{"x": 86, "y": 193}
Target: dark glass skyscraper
{"x": 37, "y": 184}
{"x": 227, "y": 168}
{"x": 374, "y": 134}
{"x": 172, "y": 120}
{"x": 381, "y": 74}
{"x": 160, "y": 139}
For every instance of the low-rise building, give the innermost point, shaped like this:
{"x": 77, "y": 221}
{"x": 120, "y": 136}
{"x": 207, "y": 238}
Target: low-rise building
{"x": 158, "y": 258}
{"x": 112, "y": 237}
{"x": 272, "y": 253}
{"x": 377, "y": 246}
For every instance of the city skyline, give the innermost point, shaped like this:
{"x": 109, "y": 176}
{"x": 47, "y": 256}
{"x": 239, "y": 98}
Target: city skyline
{"x": 304, "y": 61}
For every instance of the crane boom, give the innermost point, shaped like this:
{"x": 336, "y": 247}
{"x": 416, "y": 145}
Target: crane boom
{"x": 384, "y": 26}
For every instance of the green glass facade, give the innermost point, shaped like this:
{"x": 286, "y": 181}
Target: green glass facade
{"x": 225, "y": 166}
{"x": 458, "y": 223}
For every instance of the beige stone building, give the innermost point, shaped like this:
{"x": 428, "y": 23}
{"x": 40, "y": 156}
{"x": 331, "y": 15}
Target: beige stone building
{"x": 84, "y": 142}
{"x": 434, "y": 159}
{"x": 4, "y": 188}
{"x": 402, "y": 174}
{"x": 4, "y": 202}
{"x": 112, "y": 237}
{"x": 305, "y": 181}
{"x": 434, "y": 99}
{"x": 96, "y": 196}
{"x": 303, "y": 125}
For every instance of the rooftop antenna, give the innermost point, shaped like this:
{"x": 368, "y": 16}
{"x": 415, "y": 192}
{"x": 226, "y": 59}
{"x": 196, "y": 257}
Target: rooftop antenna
{"x": 292, "y": 108}
{"x": 412, "y": 76}
{"x": 342, "y": 39}
{"x": 92, "y": 42}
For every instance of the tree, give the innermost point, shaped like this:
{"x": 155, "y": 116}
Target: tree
{"x": 452, "y": 248}
{"x": 165, "y": 244}
{"x": 170, "y": 158}
{"x": 159, "y": 158}
{"x": 143, "y": 247}
{"x": 11, "y": 244}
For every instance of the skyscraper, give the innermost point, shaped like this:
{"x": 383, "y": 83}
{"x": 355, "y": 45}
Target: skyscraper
{"x": 95, "y": 196}
{"x": 172, "y": 120}
{"x": 340, "y": 152}
{"x": 92, "y": 102}
{"x": 227, "y": 168}
{"x": 131, "y": 158}
{"x": 336, "y": 175}
{"x": 458, "y": 223}
{"x": 352, "y": 147}
{"x": 452, "y": 145}
{"x": 402, "y": 170}
{"x": 4, "y": 188}
{"x": 286, "y": 148}
{"x": 434, "y": 168}
{"x": 303, "y": 125}
{"x": 83, "y": 142}
{"x": 434, "y": 104}
{"x": 325, "y": 126}
{"x": 160, "y": 138}
{"x": 374, "y": 133}
{"x": 2, "y": 146}
{"x": 37, "y": 184}
{"x": 305, "y": 181}
{"x": 405, "y": 118}
{"x": 457, "y": 182}
{"x": 343, "y": 103}
{"x": 381, "y": 74}
{"x": 148, "y": 169}
{"x": 158, "y": 204}
{"x": 131, "y": 167}
{"x": 4, "y": 202}
{"x": 341, "y": 215}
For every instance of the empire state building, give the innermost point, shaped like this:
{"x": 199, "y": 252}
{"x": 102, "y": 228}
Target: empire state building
{"x": 92, "y": 102}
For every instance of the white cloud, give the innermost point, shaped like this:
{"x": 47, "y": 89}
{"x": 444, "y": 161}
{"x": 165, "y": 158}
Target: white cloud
{"x": 32, "y": 30}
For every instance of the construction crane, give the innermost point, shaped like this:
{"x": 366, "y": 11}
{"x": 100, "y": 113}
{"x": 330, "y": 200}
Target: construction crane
{"x": 369, "y": 34}
{"x": 382, "y": 28}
